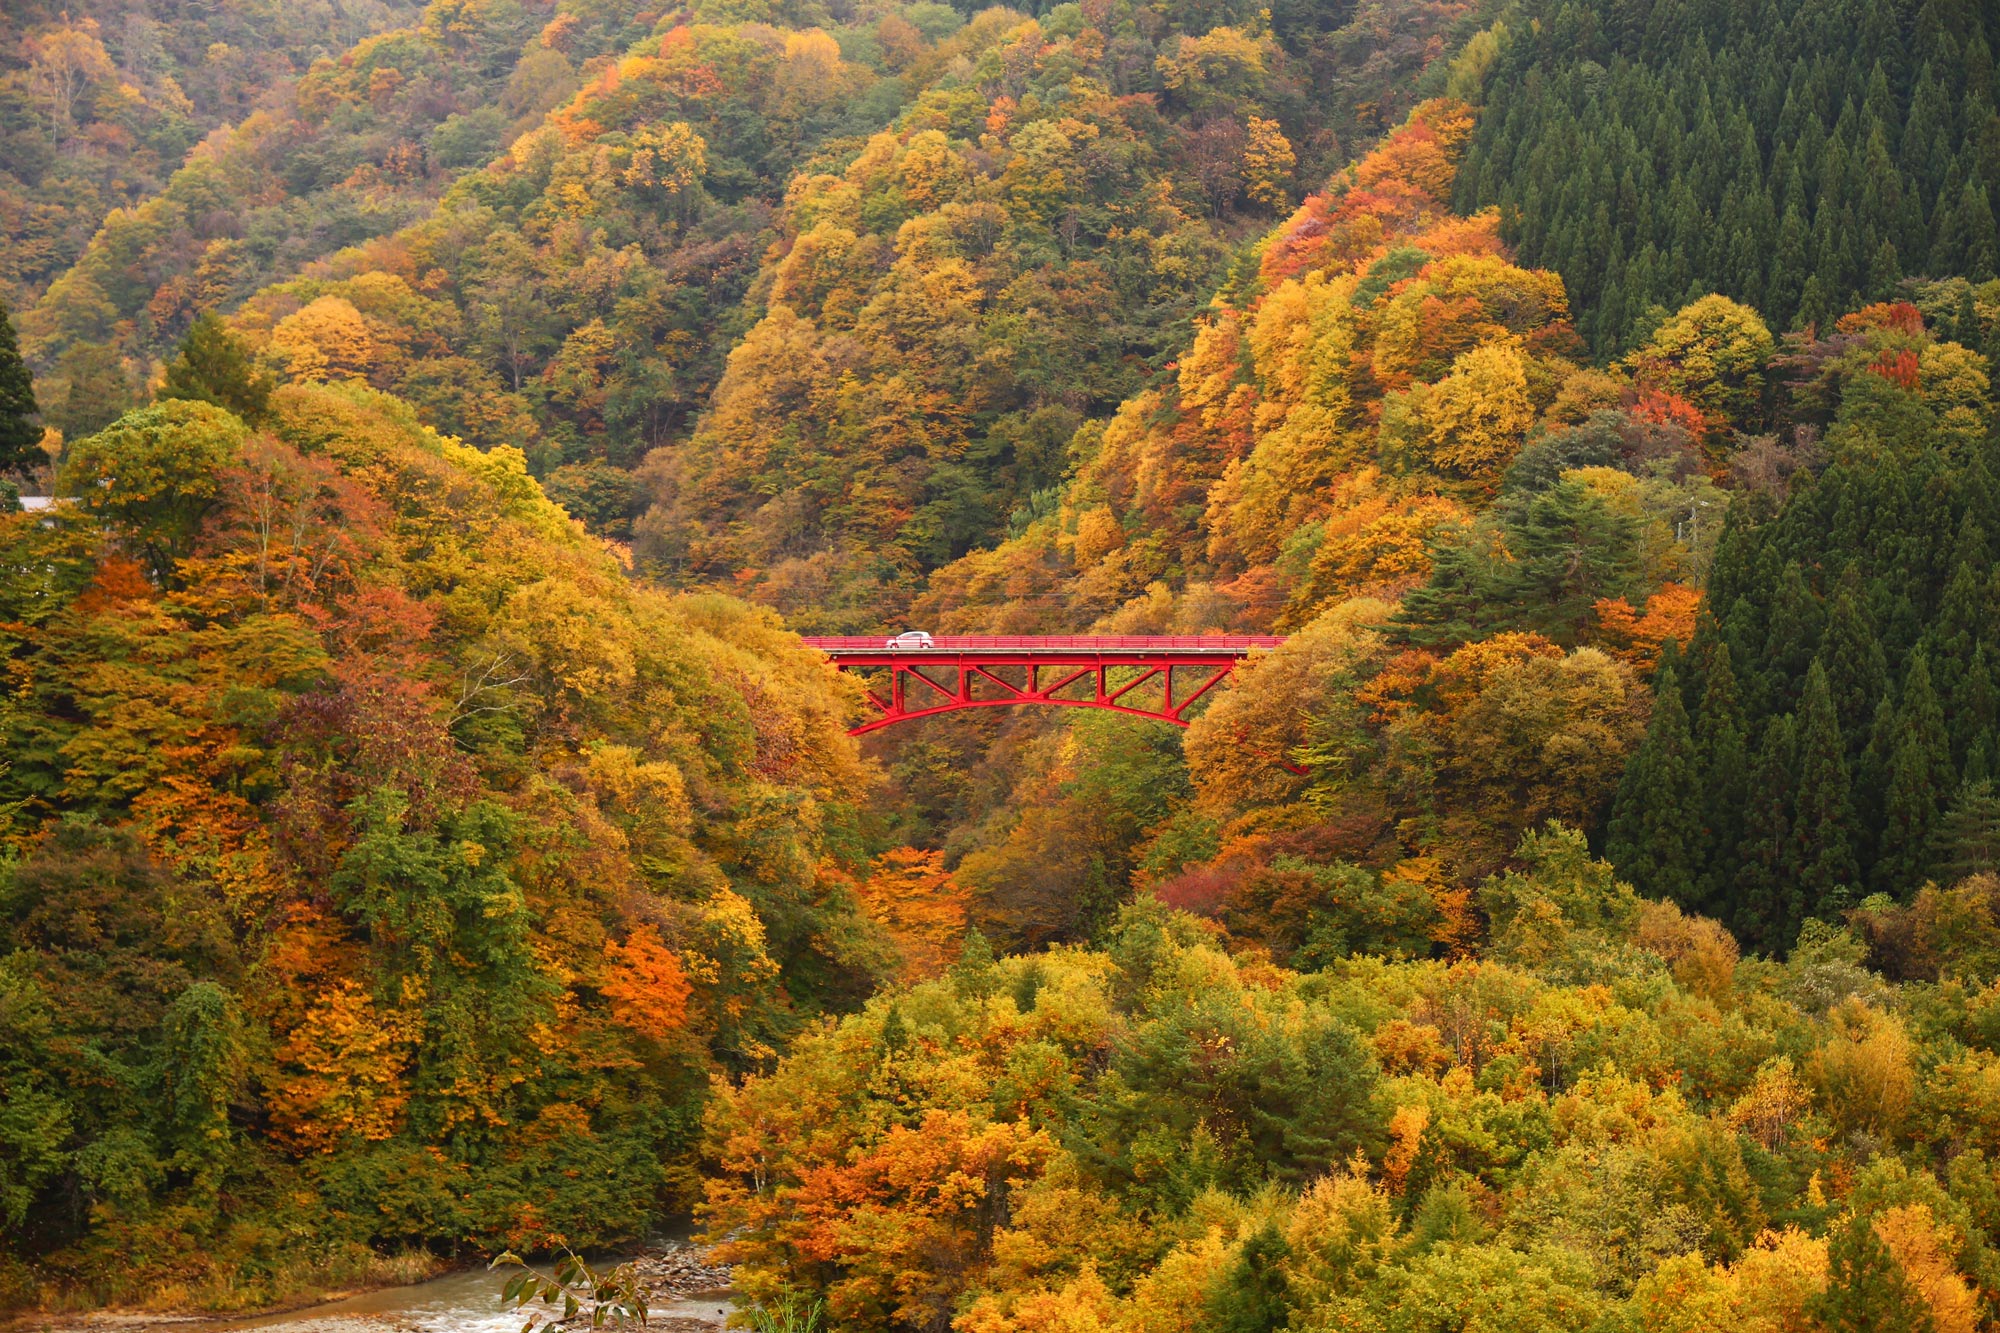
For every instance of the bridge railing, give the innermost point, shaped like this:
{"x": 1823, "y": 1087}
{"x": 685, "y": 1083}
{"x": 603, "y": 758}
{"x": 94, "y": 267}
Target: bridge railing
{"x": 1235, "y": 644}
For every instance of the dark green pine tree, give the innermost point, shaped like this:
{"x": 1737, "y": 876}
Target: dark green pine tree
{"x": 1655, "y": 834}
{"x": 1981, "y": 236}
{"x": 1569, "y": 550}
{"x": 1722, "y": 765}
{"x": 1857, "y": 670}
{"x": 1871, "y": 781}
{"x": 1982, "y": 759}
{"x": 1815, "y": 306}
{"x": 100, "y": 390}
{"x": 1255, "y": 1294}
{"x": 1450, "y": 607}
{"x": 1866, "y": 1291}
{"x": 1974, "y": 708}
{"x": 1967, "y": 841}
{"x": 1797, "y": 624}
{"x": 1788, "y": 268}
{"x": 1823, "y": 823}
{"x": 1883, "y": 271}
{"x": 1974, "y": 486}
{"x": 1921, "y": 780}
{"x": 1961, "y": 612}
{"x": 1966, "y": 329}
{"x": 213, "y": 366}
{"x": 20, "y": 432}
{"x": 1767, "y": 909}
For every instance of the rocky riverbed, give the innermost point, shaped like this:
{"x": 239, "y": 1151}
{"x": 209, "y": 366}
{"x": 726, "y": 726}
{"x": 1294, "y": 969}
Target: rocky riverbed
{"x": 684, "y": 1293}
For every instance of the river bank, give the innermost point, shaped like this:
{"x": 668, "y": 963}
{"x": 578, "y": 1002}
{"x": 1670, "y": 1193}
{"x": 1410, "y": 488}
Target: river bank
{"x": 684, "y": 1294}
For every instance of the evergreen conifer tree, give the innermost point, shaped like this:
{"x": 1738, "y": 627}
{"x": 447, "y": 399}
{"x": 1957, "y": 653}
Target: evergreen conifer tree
{"x": 1857, "y": 670}
{"x": 1796, "y": 626}
{"x": 1255, "y": 1294}
{"x": 1722, "y": 763}
{"x": 1767, "y": 908}
{"x": 1655, "y": 836}
{"x": 1974, "y": 708}
{"x": 1966, "y": 328}
{"x": 20, "y": 433}
{"x": 1982, "y": 758}
{"x": 1871, "y": 780}
{"x": 1883, "y": 271}
{"x": 1967, "y": 841}
{"x": 1822, "y": 835}
{"x": 1815, "y": 309}
{"x": 1866, "y": 1291}
{"x": 1960, "y": 614}
{"x": 1921, "y": 780}
{"x": 213, "y": 366}
{"x": 1788, "y": 269}
{"x": 100, "y": 391}
{"x": 1447, "y": 609}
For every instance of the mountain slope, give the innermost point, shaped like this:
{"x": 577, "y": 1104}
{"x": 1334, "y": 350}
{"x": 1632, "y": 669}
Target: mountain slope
{"x": 385, "y": 872}
{"x": 102, "y": 99}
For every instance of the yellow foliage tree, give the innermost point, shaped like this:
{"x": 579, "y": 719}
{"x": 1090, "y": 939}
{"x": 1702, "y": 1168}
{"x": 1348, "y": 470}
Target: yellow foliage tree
{"x": 1865, "y": 1070}
{"x": 327, "y": 340}
{"x": 1268, "y": 160}
{"x": 1924, "y": 1247}
{"x": 1471, "y": 423}
{"x": 1711, "y": 353}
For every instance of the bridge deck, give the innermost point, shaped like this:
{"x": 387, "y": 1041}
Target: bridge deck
{"x": 1049, "y": 647}
{"x": 1122, "y": 673}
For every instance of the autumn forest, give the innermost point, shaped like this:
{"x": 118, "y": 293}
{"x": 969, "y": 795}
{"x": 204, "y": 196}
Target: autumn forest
{"x": 427, "y": 429}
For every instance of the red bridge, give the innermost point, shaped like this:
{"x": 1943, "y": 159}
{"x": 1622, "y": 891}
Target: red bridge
{"x": 1124, "y": 673}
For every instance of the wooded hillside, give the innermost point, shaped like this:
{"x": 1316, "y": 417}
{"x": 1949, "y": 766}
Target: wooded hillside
{"x": 421, "y": 832}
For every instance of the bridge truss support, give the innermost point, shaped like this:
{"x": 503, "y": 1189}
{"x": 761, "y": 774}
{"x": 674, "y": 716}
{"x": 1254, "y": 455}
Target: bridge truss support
{"x": 1134, "y": 675}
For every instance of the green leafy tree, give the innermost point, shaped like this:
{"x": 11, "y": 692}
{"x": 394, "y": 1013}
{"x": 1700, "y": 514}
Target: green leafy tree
{"x": 1560, "y": 891}
{"x": 202, "y": 1064}
{"x": 155, "y": 474}
{"x": 36, "y": 1119}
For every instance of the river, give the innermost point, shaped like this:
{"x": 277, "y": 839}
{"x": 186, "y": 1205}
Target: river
{"x": 462, "y": 1302}
{"x": 453, "y": 1303}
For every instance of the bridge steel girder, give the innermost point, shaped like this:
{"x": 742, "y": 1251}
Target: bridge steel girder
{"x": 924, "y": 682}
